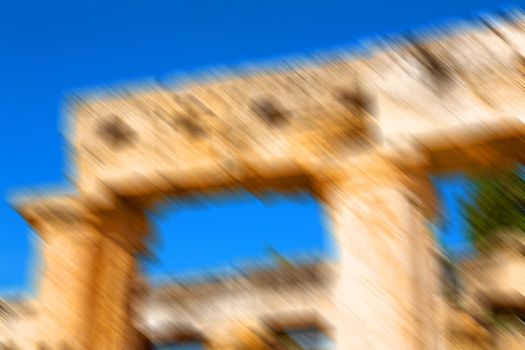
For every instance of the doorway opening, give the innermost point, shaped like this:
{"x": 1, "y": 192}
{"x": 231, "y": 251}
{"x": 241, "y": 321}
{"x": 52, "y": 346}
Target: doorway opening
{"x": 223, "y": 233}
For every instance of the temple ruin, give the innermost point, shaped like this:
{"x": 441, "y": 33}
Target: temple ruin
{"x": 361, "y": 131}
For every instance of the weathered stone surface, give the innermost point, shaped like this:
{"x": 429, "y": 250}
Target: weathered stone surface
{"x": 362, "y": 132}
{"x": 87, "y": 272}
{"x": 386, "y": 261}
{"x": 294, "y": 119}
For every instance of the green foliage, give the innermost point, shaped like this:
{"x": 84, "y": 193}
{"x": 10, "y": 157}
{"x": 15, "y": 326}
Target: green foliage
{"x": 498, "y": 203}
{"x": 281, "y": 260}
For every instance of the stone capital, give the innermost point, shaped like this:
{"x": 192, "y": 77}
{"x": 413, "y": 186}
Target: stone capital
{"x": 54, "y": 214}
{"x": 122, "y": 222}
{"x": 367, "y": 172}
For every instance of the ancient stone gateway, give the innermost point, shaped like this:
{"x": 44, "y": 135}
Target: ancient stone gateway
{"x": 361, "y": 132}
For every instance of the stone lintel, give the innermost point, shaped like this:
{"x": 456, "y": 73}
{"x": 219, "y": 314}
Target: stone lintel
{"x": 149, "y": 189}
{"x": 482, "y": 149}
{"x": 376, "y": 164}
{"x": 214, "y": 132}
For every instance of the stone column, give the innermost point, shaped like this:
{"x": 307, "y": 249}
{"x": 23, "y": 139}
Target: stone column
{"x": 123, "y": 230}
{"x": 381, "y": 297}
{"x": 88, "y": 269}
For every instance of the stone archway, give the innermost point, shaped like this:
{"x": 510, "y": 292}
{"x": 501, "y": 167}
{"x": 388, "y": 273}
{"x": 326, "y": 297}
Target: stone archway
{"x": 362, "y": 134}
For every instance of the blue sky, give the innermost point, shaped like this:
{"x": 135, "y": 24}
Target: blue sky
{"x": 52, "y": 47}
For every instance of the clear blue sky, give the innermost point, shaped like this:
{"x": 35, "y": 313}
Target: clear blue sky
{"x": 48, "y": 48}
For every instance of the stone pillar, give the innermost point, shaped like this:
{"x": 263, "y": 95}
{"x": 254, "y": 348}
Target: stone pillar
{"x": 88, "y": 269}
{"x": 123, "y": 231}
{"x": 382, "y": 299}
